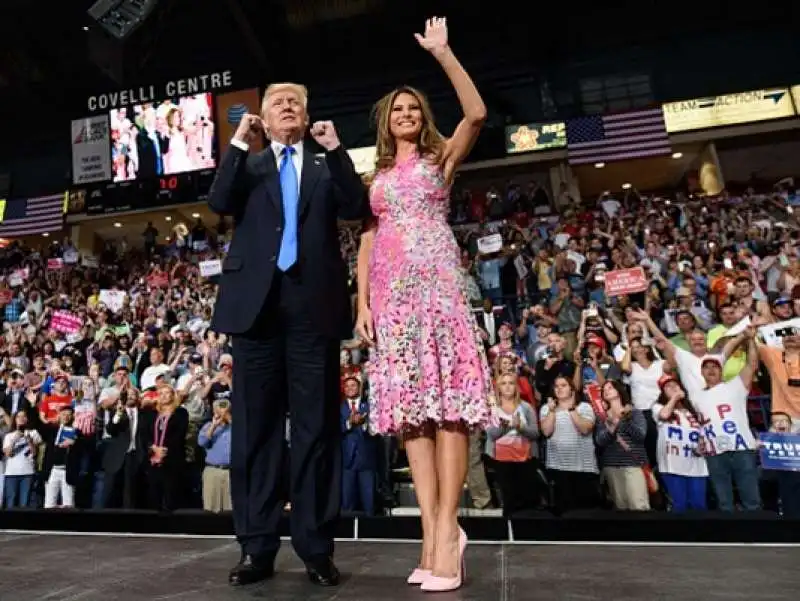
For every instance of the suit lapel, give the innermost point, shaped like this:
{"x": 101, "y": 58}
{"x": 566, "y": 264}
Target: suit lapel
{"x": 312, "y": 168}
{"x": 266, "y": 168}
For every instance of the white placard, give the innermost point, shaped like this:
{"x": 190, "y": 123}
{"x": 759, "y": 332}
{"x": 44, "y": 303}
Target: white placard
{"x": 90, "y": 261}
{"x": 561, "y": 240}
{"x": 210, "y": 268}
{"x": 522, "y": 269}
{"x": 18, "y": 277}
{"x": 112, "y": 299}
{"x": 70, "y": 256}
{"x": 91, "y": 159}
{"x": 490, "y": 244}
{"x": 738, "y": 327}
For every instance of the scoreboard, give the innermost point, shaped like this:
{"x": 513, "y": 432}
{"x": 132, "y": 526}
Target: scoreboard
{"x": 117, "y": 197}
{"x": 154, "y": 146}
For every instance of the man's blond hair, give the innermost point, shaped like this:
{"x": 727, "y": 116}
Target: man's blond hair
{"x": 274, "y": 88}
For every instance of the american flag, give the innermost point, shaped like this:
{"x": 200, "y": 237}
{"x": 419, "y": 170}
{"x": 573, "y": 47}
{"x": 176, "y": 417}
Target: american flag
{"x": 600, "y": 139}
{"x": 29, "y": 216}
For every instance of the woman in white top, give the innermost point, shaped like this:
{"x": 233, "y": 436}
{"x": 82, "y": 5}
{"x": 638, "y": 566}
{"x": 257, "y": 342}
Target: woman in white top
{"x": 20, "y": 447}
{"x": 569, "y": 451}
{"x": 512, "y": 446}
{"x": 644, "y": 370}
{"x": 680, "y": 461}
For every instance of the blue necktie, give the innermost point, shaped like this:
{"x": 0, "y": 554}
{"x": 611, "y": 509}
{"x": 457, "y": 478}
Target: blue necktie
{"x": 290, "y": 195}
{"x": 157, "y": 148}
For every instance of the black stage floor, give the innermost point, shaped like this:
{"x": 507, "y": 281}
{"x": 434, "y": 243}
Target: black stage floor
{"x": 103, "y": 568}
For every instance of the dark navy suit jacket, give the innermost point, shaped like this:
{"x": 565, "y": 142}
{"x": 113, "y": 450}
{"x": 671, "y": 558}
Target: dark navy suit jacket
{"x": 247, "y": 187}
{"x": 358, "y": 446}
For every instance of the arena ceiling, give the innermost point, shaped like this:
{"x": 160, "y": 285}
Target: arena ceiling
{"x": 353, "y": 46}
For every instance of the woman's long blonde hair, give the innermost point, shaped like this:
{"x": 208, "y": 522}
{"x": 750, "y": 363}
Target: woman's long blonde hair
{"x": 431, "y": 140}
{"x": 517, "y": 397}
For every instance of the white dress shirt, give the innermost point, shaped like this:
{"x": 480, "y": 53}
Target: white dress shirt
{"x": 133, "y": 418}
{"x": 277, "y": 150}
{"x": 490, "y": 326}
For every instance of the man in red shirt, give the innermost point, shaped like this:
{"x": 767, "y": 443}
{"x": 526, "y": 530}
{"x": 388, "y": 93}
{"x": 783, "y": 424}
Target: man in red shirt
{"x": 60, "y": 396}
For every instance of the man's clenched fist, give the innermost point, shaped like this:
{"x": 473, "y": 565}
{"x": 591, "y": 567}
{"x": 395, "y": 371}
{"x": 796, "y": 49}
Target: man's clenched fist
{"x": 324, "y": 133}
{"x": 249, "y": 127}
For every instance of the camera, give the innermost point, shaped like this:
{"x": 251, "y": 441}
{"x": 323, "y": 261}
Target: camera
{"x": 787, "y": 331}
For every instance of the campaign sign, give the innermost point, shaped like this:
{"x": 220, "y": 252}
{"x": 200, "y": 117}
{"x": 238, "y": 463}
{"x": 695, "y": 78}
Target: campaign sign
{"x": 490, "y": 244}
{"x": 210, "y": 268}
{"x": 595, "y": 397}
{"x": 780, "y": 451}
{"x": 66, "y": 433}
{"x": 66, "y": 322}
{"x": 158, "y": 280}
{"x": 625, "y": 281}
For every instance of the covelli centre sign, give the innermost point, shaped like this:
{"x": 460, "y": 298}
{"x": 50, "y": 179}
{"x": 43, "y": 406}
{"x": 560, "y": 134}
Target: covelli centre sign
{"x": 207, "y": 82}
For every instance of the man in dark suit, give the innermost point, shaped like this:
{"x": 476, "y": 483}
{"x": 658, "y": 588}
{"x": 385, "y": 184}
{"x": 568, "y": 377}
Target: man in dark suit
{"x": 124, "y": 451}
{"x": 13, "y": 398}
{"x": 283, "y": 297}
{"x": 151, "y": 146}
{"x": 359, "y": 450}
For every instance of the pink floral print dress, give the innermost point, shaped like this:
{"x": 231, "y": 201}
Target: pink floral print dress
{"x": 428, "y": 363}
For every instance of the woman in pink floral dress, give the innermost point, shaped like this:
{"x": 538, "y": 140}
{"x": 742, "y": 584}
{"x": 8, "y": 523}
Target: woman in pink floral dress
{"x": 427, "y": 373}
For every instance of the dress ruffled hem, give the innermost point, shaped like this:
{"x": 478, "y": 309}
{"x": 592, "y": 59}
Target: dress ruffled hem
{"x": 440, "y": 407}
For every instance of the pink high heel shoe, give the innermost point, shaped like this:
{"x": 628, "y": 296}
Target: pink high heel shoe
{"x": 438, "y": 584}
{"x": 418, "y": 576}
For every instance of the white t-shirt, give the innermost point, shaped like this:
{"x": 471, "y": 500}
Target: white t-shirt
{"x": 644, "y": 384}
{"x": 22, "y": 461}
{"x": 690, "y": 371}
{"x": 678, "y": 438}
{"x": 723, "y": 409}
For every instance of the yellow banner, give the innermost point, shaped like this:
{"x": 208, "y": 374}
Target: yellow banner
{"x": 796, "y": 94}
{"x": 729, "y": 109}
{"x": 2, "y": 209}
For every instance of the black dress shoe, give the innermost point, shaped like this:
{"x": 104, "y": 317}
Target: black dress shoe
{"x": 250, "y": 570}
{"x": 323, "y": 572}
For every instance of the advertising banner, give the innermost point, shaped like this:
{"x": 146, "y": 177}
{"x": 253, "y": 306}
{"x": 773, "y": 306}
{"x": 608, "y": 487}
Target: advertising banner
{"x": 231, "y": 107}
{"x": 91, "y": 159}
{"x": 535, "y": 136}
{"x": 728, "y": 109}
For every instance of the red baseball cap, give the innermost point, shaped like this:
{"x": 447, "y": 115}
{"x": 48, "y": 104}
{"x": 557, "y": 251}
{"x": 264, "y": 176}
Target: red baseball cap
{"x": 596, "y": 340}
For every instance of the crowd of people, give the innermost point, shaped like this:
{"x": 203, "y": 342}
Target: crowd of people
{"x": 116, "y": 394}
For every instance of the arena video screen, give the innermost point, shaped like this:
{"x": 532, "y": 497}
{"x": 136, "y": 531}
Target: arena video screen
{"x": 163, "y": 138}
